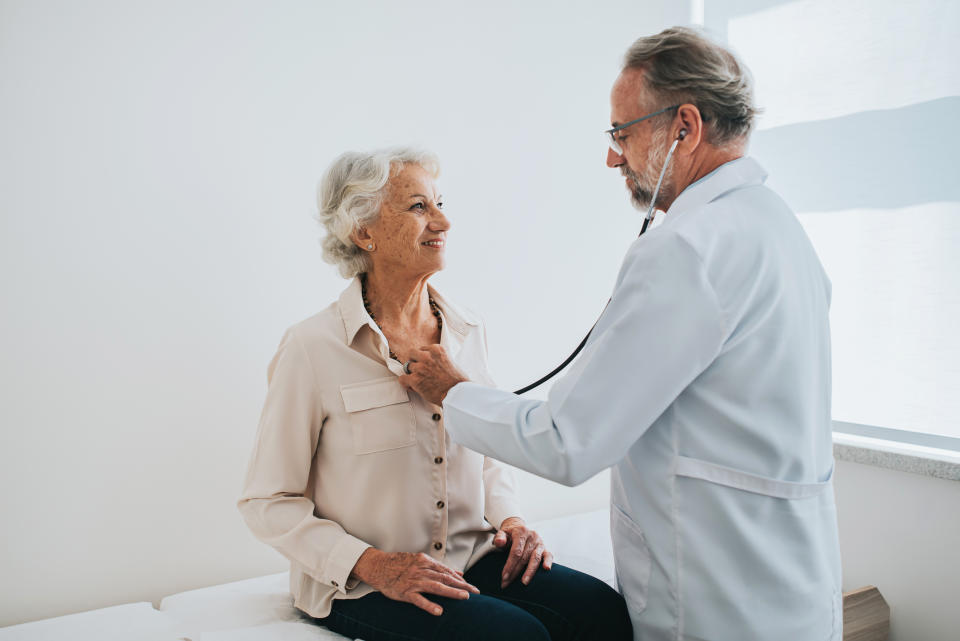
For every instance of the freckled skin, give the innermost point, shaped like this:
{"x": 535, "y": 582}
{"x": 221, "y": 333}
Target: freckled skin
{"x": 401, "y": 265}
{"x": 400, "y": 229}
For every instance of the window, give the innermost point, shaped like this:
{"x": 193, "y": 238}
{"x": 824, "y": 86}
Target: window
{"x": 859, "y": 135}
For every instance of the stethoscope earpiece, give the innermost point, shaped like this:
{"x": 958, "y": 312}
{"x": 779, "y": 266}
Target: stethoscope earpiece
{"x": 682, "y": 134}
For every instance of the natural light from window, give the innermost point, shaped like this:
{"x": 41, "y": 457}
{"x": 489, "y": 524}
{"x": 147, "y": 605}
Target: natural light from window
{"x": 859, "y": 134}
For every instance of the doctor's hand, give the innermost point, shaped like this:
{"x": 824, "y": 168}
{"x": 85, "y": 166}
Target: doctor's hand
{"x": 432, "y": 374}
{"x": 406, "y": 576}
{"x": 526, "y": 551}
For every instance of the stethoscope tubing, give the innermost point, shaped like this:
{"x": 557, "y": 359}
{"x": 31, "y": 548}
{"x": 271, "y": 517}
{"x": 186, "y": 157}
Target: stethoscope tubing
{"x": 643, "y": 228}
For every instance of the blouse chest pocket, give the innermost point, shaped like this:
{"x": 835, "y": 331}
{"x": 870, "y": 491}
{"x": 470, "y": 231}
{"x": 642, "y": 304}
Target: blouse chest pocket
{"x": 380, "y": 414}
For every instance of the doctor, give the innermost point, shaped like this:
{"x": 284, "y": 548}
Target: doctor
{"x": 706, "y": 382}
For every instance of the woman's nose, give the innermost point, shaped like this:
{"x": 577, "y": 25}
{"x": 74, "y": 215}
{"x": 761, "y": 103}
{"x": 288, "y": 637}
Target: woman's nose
{"x": 439, "y": 220}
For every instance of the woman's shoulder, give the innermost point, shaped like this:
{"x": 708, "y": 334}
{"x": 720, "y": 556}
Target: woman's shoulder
{"x": 321, "y": 328}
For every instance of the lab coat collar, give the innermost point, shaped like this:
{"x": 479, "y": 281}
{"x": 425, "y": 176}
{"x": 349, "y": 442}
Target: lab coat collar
{"x": 355, "y": 316}
{"x": 731, "y": 175}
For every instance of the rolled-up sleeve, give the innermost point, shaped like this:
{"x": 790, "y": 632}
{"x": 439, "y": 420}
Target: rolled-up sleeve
{"x": 274, "y": 504}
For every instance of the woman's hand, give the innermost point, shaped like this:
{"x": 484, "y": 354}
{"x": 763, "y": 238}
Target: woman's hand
{"x": 405, "y": 576}
{"x": 526, "y": 551}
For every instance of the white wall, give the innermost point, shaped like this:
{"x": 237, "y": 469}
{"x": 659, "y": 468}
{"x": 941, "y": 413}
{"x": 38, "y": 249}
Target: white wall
{"x": 157, "y": 168}
{"x": 851, "y": 149}
{"x": 899, "y": 531}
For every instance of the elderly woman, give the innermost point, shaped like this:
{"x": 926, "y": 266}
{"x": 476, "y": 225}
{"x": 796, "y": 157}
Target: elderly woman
{"x": 392, "y": 531}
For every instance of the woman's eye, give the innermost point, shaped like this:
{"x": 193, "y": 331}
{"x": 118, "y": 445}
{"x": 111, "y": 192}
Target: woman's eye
{"x": 417, "y": 206}
{"x": 440, "y": 205}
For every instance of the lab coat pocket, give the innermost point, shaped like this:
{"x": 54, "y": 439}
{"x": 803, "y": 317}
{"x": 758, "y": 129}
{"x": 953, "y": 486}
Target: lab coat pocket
{"x": 632, "y": 559}
{"x": 381, "y": 415}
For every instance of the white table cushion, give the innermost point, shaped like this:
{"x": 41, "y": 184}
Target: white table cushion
{"x": 258, "y": 608}
{"x": 130, "y": 622}
{"x": 262, "y": 608}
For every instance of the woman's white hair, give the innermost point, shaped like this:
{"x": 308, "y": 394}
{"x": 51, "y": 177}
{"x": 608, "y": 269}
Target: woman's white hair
{"x": 349, "y": 197}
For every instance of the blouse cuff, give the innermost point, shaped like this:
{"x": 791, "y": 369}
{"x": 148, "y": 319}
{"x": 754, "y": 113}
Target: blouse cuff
{"x": 340, "y": 562}
{"x": 500, "y": 509}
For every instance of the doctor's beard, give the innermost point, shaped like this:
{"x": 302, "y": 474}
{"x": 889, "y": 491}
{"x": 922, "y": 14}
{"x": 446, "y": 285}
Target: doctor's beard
{"x": 645, "y": 181}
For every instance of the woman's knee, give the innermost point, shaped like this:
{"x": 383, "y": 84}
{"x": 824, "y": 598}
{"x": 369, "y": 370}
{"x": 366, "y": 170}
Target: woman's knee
{"x": 592, "y": 608}
{"x": 493, "y": 619}
{"x": 607, "y": 612}
{"x": 520, "y": 626}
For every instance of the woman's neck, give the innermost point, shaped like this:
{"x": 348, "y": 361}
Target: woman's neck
{"x": 398, "y": 302}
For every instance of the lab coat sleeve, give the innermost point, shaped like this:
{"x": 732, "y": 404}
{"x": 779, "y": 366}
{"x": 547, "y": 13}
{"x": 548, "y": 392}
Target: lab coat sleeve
{"x": 662, "y": 328}
{"x": 273, "y": 503}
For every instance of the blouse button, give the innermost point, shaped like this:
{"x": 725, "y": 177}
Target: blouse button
{"x": 438, "y": 545}
{"x": 440, "y": 504}
{"x": 436, "y": 417}
{"x": 438, "y": 460}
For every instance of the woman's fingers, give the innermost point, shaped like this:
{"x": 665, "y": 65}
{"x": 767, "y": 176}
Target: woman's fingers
{"x": 515, "y": 559}
{"x": 441, "y": 589}
{"x": 533, "y": 564}
{"x": 453, "y": 577}
{"x": 547, "y": 560}
{"x": 425, "y": 604}
{"x": 454, "y": 581}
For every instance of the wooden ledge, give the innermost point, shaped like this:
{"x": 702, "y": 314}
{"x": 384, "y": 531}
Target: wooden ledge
{"x": 866, "y": 615}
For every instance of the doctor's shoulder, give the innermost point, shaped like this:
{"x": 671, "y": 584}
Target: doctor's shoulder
{"x": 661, "y": 251}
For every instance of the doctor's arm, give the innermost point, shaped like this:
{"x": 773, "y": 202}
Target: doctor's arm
{"x": 662, "y": 328}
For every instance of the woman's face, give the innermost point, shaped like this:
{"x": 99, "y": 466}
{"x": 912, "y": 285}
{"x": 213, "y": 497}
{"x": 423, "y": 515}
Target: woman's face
{"x": 410, "y": 235}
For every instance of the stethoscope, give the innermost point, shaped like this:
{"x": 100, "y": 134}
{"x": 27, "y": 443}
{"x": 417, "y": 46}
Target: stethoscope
{"x": 646, "y": 223}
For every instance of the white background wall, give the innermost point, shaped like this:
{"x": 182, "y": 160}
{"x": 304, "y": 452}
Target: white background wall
{"x": 157, "y": 170}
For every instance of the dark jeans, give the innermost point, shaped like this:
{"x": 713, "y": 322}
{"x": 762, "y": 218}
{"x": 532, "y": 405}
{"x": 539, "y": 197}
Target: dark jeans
{"x": 559, "y": 605}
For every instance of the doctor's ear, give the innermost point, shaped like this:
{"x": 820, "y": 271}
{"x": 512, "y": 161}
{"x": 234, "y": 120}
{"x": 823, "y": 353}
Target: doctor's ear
{"x": 691, "y": 126}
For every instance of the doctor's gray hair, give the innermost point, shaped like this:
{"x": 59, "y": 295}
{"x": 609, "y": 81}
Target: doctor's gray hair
{"x": 350, "y": 195}
{"x": 681, "y": 65}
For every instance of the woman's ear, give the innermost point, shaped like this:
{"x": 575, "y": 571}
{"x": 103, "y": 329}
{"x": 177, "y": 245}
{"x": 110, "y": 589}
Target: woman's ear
{"x": 362, "y": 239}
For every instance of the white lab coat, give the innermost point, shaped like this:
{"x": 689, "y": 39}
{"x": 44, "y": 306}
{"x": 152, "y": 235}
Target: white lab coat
{"x": 706, "y": 385}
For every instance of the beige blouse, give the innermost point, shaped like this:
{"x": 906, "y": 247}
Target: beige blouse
{"x": 345, "y": 458}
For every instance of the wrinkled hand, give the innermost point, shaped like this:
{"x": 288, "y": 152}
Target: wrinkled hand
{"x": 527, "y": 550}
{"x": 405, "y": 576}
{"x": 432, "y": 374}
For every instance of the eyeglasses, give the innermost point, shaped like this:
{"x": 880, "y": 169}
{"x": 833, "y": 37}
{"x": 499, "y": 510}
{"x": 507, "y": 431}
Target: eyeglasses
{"x": 614, "y": 142}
